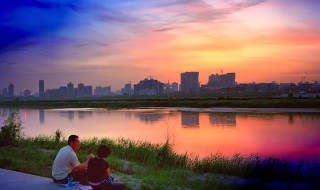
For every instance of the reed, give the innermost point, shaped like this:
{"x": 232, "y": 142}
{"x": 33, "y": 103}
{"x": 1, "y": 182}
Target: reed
{"x": 35, "y": 155}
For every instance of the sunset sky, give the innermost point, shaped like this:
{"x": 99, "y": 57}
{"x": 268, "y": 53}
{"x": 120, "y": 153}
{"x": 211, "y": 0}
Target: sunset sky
{"x": 111, "y": 42}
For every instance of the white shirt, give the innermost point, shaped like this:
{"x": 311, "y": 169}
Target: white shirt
{"x": 64, "y": 162}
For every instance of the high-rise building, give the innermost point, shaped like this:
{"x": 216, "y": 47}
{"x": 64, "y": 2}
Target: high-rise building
{"x": 170, "y": 88}
{"x": 88, "y": 90}
{"x": 222, "y": 81}
{"x": 41, "y": 89}
{"x": 5, "y": 92}
{"x": 70, "y": 89}
{"x": 175, "y": 87}
{"x": 26, "y": 93}
{"x": 63, "y": 91}
{"x": 11, "y": 90}
{"x": 80, "y": 89}
{"x": 148, "y": 87}
{"x": 190, "y": 82}
{"x": 127, "y": 90}
{"x": 103, "y": 91}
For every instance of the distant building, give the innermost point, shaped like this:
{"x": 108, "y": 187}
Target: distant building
{"x": 127, "y": 90}
{"x": 103, "y": 91}
{"x": 88, "y": 91}
{"x": 175, "y": 87}
{"x": 53, "y": 93}
{"x": 70, "y": 90}
{"x": 148, "y": 87}
{"x": 5, "y": 92}
{"x": 80, "y": 92}
{"x": 190, "y": 82}
{"x": 170, "y": 88}
{"x": 26, "y": 93}
{"x": 63, "y": 91}
{"x": 222, "y": 81}
{"x": 11, "y": 90}
{"x": 41, "y": 89}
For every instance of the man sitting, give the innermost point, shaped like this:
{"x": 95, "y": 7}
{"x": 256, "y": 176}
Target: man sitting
{"x": 66, "y": 163}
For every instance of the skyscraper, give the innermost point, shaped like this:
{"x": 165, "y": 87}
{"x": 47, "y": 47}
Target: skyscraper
{"x": 11, "y": 90}
{"x": 190, "y": 82}
{"x": 70, "y": 89}
{"x": 80, "y": 90}
{"x": 148, "y": 87}
{"x": 41, "y": 88}
{"x": 222, "y": 81}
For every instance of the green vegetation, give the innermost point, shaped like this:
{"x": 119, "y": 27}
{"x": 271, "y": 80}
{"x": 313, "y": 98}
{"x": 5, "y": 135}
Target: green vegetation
{"x": 199, "y": 102}
{"x": 11, "y": 132}
{"x": 156, "y": 165}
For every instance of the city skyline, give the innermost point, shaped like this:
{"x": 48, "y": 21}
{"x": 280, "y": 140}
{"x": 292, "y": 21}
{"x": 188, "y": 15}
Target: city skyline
{"x": 110, "y": 44}
{"x": 188, "y": 83}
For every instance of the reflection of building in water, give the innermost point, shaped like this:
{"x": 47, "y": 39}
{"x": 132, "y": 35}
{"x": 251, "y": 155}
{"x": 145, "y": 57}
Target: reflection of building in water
{"x": 190, "y": 119}
{"x": 7, "y": 112}
{"x": 150, "y": 117}
{"x": 84, "y": 114}
{"x": 128, "y": 115}
{"x": 41, "y": 116}
{"x": 260, "y": 116}
{"x": 70, "y": 115}
{"x": 305, "y": 118}
{"x": 222, "y": 119}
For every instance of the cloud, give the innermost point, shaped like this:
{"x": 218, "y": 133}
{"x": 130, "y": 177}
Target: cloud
{"x": 288, "y": 37}
{"x": 12, "y": 64}
{"x": 163, "y": 29}
{"x": 81, "y": 45}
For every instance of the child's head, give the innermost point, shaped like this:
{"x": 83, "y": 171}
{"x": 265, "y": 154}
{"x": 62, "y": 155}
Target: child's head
{"x": 103, "y": 151}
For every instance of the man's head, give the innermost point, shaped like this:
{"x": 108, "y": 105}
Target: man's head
{"x": 74, "y": 142}
{"x": 103, "y": 151}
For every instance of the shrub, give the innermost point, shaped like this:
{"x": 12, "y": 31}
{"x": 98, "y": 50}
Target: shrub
{"x": 11, "y": 132}
{"x": 58, "y": 135}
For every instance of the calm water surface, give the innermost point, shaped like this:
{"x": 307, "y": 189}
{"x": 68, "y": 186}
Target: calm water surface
{"x": 197, "y": 131}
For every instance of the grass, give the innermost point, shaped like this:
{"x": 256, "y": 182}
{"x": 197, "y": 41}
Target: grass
{"x": 155, "y": 164}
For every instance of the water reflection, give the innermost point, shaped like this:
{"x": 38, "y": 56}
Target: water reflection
{"x": 190, "y": 119}
{"x": 128, "y": 115}
{"x": 279, "y": 134}
{"x": 70, "y": 115}
{"x": 6, "y": 112}
{"x": 262, "y": 116}
{"x": 41, "y": 116}
{"x": 84, "y": 114}
{"x": 150, "y": 117}
{"x": 223, "y": 119}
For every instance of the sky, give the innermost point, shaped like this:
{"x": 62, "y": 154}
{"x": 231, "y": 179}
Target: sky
{"x": 113, "y": 42}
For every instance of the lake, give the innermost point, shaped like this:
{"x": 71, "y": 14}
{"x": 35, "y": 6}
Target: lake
{"x": 291, "y": 134}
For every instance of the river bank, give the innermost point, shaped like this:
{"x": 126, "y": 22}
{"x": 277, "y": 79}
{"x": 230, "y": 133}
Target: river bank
{"x": 114, "y": 103}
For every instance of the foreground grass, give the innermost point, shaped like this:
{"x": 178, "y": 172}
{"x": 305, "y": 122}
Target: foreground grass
{"x": 156, "y": 165}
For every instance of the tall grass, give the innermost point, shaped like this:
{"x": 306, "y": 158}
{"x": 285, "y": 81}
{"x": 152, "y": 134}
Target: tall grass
{"x": 162, "y": 156}
{"x": 36, "y": 154}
